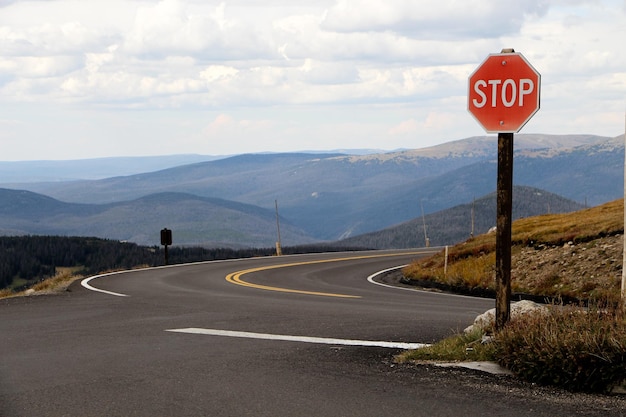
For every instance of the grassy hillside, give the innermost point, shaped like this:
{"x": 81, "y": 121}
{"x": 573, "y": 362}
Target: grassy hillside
{"x": 574, "y": 255}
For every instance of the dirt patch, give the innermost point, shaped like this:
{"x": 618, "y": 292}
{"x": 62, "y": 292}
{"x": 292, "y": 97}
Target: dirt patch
{"x": 582, "y": 270}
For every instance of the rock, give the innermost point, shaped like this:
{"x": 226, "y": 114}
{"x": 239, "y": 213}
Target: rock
{"x": 486, "y": 320}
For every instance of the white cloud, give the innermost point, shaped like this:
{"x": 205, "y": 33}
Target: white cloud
{"x": 291, "y": 74}
{"x": 406, "y": 127}
{"x": 167, "y": 28}
{"x": 433, "y": 18}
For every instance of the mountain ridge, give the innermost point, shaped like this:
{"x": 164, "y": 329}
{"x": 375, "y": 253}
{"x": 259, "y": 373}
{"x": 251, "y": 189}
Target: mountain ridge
{"x": 331, "y": 196}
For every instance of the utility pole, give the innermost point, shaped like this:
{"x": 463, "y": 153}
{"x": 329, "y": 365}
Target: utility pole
{"x": 426, "y": 240}
{"x": 279, "y": 250}
{"x": 473, "y": 215}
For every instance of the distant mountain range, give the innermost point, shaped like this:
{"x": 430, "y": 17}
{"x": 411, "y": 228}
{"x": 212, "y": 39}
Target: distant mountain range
{"x": 99, "y": 168}
{"x": 323, "y": 196}
{"x": 91, "y": 169}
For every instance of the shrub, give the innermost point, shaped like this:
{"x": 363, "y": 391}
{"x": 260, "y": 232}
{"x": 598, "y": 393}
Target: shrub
{"x": 459, "y": 347}
{"x": 572, "y": 348}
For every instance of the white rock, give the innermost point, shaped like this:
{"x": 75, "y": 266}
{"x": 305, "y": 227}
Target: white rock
{"x": 487, "y": 319}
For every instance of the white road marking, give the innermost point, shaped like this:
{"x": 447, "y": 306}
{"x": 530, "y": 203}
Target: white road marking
{"x": 371, "y": 280}
{"x": 304, "y": 339}
{"x": 374, "y": 275}
{"x": 85, "y": 283}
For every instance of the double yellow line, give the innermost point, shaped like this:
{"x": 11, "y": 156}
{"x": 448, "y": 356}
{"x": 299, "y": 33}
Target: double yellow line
{"x": 235, "y": 277}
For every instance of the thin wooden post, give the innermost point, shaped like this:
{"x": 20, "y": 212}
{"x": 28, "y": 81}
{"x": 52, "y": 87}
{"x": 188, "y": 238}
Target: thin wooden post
{"x": 279, "y": 249}
{"x": 503, "y": 232}
{"x": 623, "y": 291}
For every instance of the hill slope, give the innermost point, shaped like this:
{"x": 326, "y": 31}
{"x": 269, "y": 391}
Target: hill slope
{"x": 193, "y": 220}
{"x": 574, "y": 255}
{"x": 454, "y": 225}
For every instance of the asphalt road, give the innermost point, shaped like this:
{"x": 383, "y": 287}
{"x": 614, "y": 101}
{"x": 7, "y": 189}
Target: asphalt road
{"x": 89, "y": 353}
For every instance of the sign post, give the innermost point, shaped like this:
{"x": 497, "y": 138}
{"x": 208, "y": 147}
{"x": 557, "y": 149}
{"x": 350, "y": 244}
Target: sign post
{"x": 503, "y": 96}
{"x": 504, "y": 222}
{"x": 166, "y": 240}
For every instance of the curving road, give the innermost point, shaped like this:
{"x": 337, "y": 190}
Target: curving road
{"x": 304, "y": 335}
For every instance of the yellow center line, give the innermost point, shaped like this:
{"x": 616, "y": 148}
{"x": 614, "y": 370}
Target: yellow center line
{"x": 235, "y": 277}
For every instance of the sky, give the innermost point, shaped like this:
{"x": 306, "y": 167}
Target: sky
{"x": 100, "y": 78}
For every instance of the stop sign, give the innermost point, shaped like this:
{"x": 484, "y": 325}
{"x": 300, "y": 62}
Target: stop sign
{"x": 504, "y": 92}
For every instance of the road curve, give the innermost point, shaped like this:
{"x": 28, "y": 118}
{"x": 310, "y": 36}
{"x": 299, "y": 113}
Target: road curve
{"x": 302, "y": 335}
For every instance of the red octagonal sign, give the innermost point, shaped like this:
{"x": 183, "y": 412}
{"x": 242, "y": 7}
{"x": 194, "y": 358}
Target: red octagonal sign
{"x": 504, "y": 93}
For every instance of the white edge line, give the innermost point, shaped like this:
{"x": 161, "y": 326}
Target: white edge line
{"x": 304, "y": 339}
{"x": 85, "y": 284}
{"x": 374, "y": 275}
{"x": 371, "y": 280}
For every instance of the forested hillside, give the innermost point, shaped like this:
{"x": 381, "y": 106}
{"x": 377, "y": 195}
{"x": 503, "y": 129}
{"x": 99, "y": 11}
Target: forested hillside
{"x": 454, "y": 225}
{"x": 25, "y": 260}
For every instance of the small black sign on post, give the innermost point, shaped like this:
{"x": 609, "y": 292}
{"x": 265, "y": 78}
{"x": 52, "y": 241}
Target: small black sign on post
{"x": 166, "y": 240}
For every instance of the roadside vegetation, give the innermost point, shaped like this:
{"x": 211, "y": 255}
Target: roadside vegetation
{"x": 60, "y": 281}
{"x": 578, "y": 340}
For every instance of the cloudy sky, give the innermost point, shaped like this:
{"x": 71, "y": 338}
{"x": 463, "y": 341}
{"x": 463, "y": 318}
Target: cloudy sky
{"x": 96, "y": 78}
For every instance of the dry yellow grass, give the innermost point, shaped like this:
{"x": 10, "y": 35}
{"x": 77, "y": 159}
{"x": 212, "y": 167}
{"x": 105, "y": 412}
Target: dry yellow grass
{"x": 580, "y": 226}
{"x": 63, "y": 278}
{"x": 472, "y": 263}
